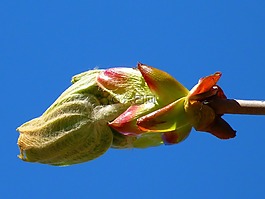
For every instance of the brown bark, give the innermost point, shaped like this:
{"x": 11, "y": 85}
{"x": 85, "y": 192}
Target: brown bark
{"x": 233, "y": 106}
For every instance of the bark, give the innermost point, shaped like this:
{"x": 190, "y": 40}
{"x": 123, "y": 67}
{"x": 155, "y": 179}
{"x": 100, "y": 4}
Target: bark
{"x": 233, "y": 106}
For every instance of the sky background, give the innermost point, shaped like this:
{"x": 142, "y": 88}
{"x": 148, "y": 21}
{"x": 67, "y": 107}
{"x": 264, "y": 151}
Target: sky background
{"x": 44, "y": 43}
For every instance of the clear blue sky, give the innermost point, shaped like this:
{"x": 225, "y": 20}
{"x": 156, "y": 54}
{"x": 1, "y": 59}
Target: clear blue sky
{"x": 44, "y": 43}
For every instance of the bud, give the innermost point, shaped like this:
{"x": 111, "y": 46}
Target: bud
{"x": 120, "y": 108}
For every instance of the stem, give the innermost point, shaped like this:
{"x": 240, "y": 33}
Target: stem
{"x": 233, "y": 106}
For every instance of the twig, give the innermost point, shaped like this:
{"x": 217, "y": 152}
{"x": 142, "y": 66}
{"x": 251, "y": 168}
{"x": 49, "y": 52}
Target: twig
{"x": 233, "y": 106}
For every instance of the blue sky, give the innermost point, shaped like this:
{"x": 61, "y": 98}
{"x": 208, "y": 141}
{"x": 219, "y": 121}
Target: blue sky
{"x": 44, "y": 43}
